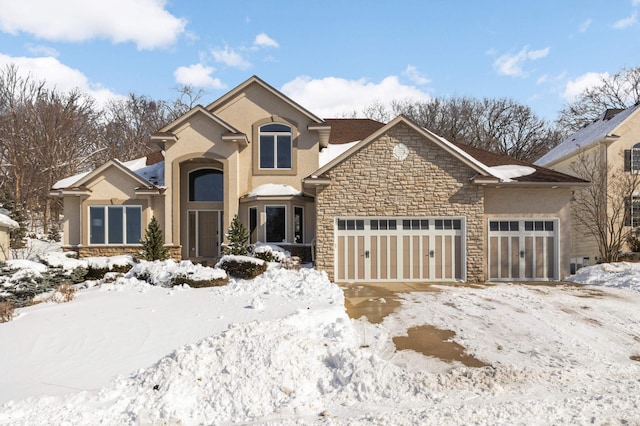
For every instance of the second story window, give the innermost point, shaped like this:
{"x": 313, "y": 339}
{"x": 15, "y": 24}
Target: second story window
{"x": 275, "y": 146}
{"x": 632, "y": 159}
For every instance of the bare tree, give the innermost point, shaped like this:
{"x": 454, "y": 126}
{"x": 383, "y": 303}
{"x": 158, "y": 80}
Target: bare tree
{"x": 128, "y": 125}
{"x": 600, "y": 209}
{"x": 620, "y": 90}
{"x": 497, "y": 125}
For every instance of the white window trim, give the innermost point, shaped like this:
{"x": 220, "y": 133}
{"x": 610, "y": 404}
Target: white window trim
{"x": 106, "y": 225}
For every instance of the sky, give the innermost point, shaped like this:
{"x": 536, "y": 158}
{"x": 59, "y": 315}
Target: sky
{"x": 333, "y": 57}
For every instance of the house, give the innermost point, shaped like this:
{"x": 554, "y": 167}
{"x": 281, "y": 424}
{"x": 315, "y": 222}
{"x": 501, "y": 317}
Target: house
{"x": 6, "y": 225}
{"x": 377, "y": 202}
{"x": 615, "y": 138}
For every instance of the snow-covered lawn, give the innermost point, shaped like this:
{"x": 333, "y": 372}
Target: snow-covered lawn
{"x": 281, "y": 350}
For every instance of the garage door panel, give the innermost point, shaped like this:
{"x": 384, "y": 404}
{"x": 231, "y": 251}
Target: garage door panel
{"x": 523, "y": 249}
{"x": 399, "y": 249}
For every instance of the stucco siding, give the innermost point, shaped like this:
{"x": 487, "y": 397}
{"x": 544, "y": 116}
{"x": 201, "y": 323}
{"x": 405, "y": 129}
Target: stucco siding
{"x": 429, "y": 182}
{"x": 516, "y": 203}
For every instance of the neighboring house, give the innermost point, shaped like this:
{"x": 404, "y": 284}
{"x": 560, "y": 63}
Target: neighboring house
{"x": 378, "y": 202}
{"x": 615, "y": 137}
{"x": 6, "y": 225}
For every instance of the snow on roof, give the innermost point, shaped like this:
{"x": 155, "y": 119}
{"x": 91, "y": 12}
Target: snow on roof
{"x": 333, "y": 151}
{"x": 7, "y": 222}
{"x": 600, "y": 128}
{"x": 69, "y": 181}
{"x": 273, "y": 189}
{"x": 153, "y": 173}
{"x": 508, "y": 172}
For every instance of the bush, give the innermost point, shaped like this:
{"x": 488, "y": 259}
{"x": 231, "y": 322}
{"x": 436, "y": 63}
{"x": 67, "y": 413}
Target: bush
{"x": 216, "y": 282}
{"x": 94, "y": 273}
{"x": 292, "y": 263}
{"x": 54, "y": 233}
{"x": 242, "y": 267}
{"x": 238, "y": 237}
{"x": 64, "y": 292}
{"x": 153, "y": 244}
{"x": 6, "y": 311}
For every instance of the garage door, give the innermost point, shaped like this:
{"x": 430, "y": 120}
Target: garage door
{"x": 400, "y": 249}
{"x": 523, "y": 250}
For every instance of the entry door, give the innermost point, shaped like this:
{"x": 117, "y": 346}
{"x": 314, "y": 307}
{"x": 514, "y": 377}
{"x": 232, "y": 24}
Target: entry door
{"x": 204, "y": 234}
{"x": 523, "y": 250}
{"x": 399, "y": 249}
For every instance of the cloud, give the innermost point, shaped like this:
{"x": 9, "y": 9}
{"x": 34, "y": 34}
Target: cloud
{"x": 58, "y": 76}
{"x": 415, "y": 76}
{"x": 574, "y": 88}
{"x": 585, "y": 26}
{"x": 143, "y": 22}
{"x": 230, "y": 58}
{"x": 626, "y": 22}
{"x": 511, "y": 65}
{"x": 263, "y": 40}
{"x": 334, "y": 96}
{"x": 197, "y": 75}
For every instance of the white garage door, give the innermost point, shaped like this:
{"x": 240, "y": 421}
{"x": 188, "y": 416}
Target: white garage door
{"x": 400, "y": 249}
{"x": 523, "y": 250}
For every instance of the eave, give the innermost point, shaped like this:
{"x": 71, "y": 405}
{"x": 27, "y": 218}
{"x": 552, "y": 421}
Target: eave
{"x": 324, "y": 130}
{"x": 239, "y": 138}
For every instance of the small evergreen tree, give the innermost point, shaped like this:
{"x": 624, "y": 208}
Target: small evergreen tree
{"x": 238, "y": 237}
{"x": 153, "y": 243}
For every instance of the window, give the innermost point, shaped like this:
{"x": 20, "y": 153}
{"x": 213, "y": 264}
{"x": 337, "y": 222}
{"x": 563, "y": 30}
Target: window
{"x": 632, "y": 158}
{"x": 632, "y": 215}
{"x": 275, "y": 146}
{"x": 276, "y": 228}
{"x": 253, "y": 225}
{"x": 115, "y": 224}
{"x": 298, "y": 222}
{"x": 206, "y": 185}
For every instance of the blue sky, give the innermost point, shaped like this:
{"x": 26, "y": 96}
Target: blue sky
{"x": 333, "y": 57}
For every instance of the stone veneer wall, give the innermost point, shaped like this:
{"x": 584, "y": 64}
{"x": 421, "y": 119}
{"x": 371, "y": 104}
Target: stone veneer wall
{"x": 174, "y": 252}
{"x": 429, "y": 182}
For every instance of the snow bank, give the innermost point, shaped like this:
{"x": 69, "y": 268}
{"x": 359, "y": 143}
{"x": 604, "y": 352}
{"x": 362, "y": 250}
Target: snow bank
{"x": 619, "y": 275}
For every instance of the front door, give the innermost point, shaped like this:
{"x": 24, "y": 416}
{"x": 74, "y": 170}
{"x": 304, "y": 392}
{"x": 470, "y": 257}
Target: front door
{"x": 204, "y": 233}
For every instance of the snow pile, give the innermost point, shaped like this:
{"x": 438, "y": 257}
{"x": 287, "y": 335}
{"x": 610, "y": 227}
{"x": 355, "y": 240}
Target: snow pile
{"x": 280, "y": 349}
{"x": 26, "y": 265}
{"x": 274, "y": 189}
{"x": 511, "y": 171}
{"x": 7, "y": 222}
{"x": 162, "y": 272}
{"x": 67, "y": 262}
{"x": 619, "y": 275}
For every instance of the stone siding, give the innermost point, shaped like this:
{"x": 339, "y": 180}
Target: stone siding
{"x": 174, "y": 251}
{"x": 429, "y": 182}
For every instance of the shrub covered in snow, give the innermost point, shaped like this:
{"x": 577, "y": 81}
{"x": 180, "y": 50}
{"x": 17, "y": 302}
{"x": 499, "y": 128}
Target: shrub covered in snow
{"x": 244, "y": 267}
{"x": 167, "y": 273}
{"x": 270, "y": 253}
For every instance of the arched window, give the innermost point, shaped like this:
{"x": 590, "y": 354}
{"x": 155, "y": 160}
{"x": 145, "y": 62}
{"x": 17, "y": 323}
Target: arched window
{"x": 275, "y": 146}
{"x": 206, "y": 185}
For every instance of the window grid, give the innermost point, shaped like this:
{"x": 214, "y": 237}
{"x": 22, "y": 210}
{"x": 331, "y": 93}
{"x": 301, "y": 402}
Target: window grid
{"x": 275, "y": 149}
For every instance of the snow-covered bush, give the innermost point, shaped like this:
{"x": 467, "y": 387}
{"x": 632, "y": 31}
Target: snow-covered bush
{"x": 244, "y": 267}
{"x": 167, "y": 273}
{"x": 270, "y": 252}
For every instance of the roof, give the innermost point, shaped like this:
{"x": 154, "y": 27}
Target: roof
{"x": 485, "y": 163}
{"x": 601, "y": 128}
{"x": 541, "y": 174}
{"x": 148, "y": 169}
{"x": 7, "y": 222}
{"x": 344, "y": 130}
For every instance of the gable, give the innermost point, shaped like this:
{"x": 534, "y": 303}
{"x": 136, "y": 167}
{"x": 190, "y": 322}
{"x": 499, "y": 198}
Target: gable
{"x": 112, "y": 182}
{"x": 261, "y": 95}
